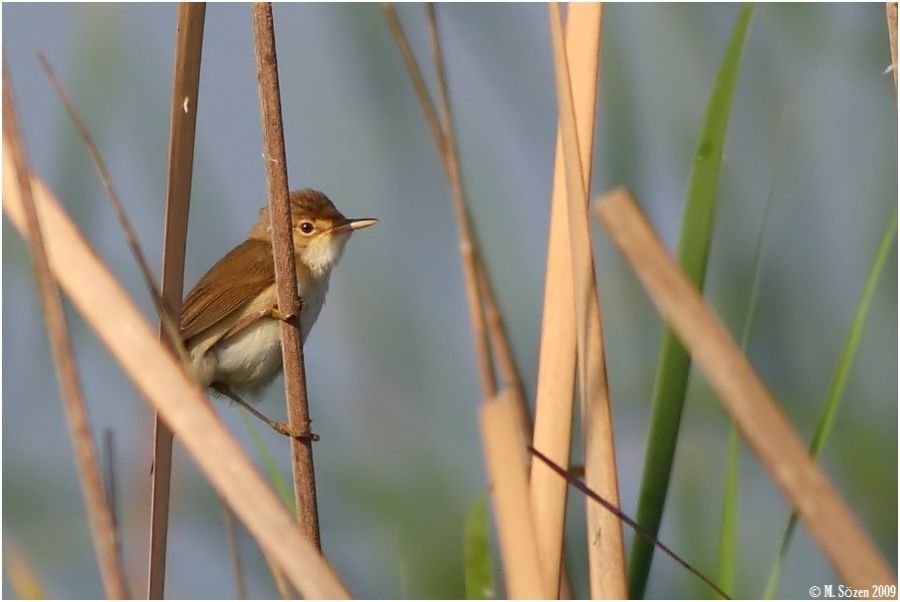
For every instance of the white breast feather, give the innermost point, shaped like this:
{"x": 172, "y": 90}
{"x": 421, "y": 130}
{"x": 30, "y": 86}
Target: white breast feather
{"x": 250, "y": 361}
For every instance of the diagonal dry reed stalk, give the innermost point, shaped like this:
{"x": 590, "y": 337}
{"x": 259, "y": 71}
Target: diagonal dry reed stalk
{"x": 483, "y": 308}
{"x": 467, "y": 245}
{"x": 182, "y": 126}
{"x": 285, "y": 274}
{"x": 744, "y": 396}
{"x": 504, "y": 448}
{"x": 165, "y": 313}
{"x": 278, "y": 579}
{"x": 606, "y": 561}
{"x": 100, "y": 518}
{"x": 183, "y": 122}
{"x": 120, "y": 325}
{"x": 501, "y": 346}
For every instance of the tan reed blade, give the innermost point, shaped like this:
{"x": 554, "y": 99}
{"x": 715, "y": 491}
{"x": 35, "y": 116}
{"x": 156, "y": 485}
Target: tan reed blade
{"x": 16, "y": 179}
{"x": 606, "y": 551}
{"x": 557, "y": 359}
{"x": 504, "y": 450}
{"x": 744, "y": 397}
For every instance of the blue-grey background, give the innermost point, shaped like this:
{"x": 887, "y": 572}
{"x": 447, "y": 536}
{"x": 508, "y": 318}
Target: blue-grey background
{"x": 390, "y": 363}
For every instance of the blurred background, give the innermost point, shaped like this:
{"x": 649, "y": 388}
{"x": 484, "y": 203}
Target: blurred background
{"x": 391, "y": 368}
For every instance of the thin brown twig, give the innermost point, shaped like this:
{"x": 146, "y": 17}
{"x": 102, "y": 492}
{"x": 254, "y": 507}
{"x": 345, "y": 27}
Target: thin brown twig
{"x": 450, "y": 152}
{"x": 285, "y": 275}
{"x": 182, "y": 127}
{"x": 103, "y": 530}
{"x": 501, "y": 345}
{"x": 109, "y": 480}
{"x": 493, "y": 318}
{"x": 418, "y": 82}
{"x": 234, "y": 553}
{"x": 467, "y": 244}
{"x": 164, "y": 312}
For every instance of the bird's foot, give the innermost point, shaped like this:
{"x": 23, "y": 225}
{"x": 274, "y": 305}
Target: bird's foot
{"x": 301, "y": 434}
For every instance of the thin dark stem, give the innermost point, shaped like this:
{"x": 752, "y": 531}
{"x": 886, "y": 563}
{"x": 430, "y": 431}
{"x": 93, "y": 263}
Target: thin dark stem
{"x": 109, "y": 480}
{"x": 165, "y": 313}
{"x": 234, "y": 552}
{"x": 580, "y": 486}
{"x": 285, "y": 274}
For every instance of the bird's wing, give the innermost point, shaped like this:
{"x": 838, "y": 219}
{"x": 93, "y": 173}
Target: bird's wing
{"x": 232, "y": 283}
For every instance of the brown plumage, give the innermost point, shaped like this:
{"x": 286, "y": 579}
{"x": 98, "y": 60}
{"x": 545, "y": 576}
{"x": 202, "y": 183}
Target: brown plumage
{"x": 229, "y": 320}
{"x": 248, "y": 269}
{"x": 224, "y": 290}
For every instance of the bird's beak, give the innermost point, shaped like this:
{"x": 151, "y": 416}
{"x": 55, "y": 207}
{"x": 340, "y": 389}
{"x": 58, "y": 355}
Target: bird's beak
{"x": 360, "y": 223}
{"x": 355, "y": 224}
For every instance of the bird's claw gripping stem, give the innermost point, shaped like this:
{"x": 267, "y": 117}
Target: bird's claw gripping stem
{"x": 277, "y": 314}
{"x": 302, "y": 434}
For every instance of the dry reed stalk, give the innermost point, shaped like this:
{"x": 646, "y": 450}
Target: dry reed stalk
{"x": 744, "y": 396}
{"x": 165, "y": 314}
{"x": 890, "y": 9}
{"x": 285, "y": 274}
{"x": 182, "y": 126}
{"x": 103, "y": 530}
{"x": 415, "y": 76}
{"x": 501, "y": 346}
{"x": 467, "y": 245}
{"x": 606, "y": 550}
{"x": 109, "y": 477}
{"x": 482, "y": 291}
{"x": 556, "y": 363}
{"x": 120, "y": 325}
{"x": 234, "y": 552}
{"x": 504, "y": 448}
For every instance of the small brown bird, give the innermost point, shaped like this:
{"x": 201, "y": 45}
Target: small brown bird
{"x": 229, "y": 320}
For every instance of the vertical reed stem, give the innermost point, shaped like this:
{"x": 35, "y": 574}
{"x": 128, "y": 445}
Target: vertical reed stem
{"x": 606, "y": 552}
{"x": 285, "y": 271}
{"x": 182, "y": 127}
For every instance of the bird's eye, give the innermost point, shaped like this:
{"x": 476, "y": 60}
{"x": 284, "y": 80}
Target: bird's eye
{"x": 307, "y": 227}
